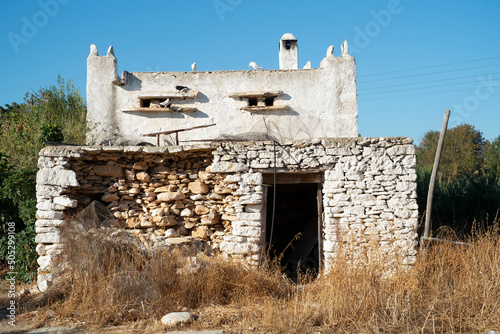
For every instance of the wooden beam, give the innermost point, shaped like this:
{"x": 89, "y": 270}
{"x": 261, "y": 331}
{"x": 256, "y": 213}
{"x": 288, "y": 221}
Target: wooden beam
{"x": 435, "y": 167}
{"x": 255, "y": 94}
{"x": 171, "y": 109}
{"x": 292, "y": 178}
{"x": 265, "y": 108}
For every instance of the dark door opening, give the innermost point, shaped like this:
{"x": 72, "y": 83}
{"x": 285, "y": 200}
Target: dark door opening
{"x": 295, "y": 231}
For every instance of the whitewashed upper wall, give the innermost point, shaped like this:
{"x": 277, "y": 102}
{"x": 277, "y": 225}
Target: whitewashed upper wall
{"x": 322, "y": 102}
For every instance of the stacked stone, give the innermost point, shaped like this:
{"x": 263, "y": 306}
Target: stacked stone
{"x": 163, "y": 199}
{"x": 214, "y": 194}
{"x": 369, "y": 192}
{"x": 53, "y": 181}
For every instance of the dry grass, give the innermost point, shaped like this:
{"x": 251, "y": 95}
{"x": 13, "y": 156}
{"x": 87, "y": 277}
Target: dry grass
{"x": 451, "y": 288}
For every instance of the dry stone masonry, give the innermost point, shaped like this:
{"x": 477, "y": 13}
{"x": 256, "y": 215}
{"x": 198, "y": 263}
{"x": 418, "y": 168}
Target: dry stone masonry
{"x": 342, "y": 195}
{"x": 214, "y": 195}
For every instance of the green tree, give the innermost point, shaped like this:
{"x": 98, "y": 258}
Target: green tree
{"x": 51, "y": 114}
{"x": 463, "y": 152}
{"x": 60, "y": 107}
{"x": 492, "y": 157}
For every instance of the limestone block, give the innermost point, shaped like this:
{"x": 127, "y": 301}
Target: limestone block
{"x": 143, "y": 176}
{"x": 253, "y": 208}
{"x": 198, "y": 187}
{"x": 204, "y": 176}
{"x": 210, "y": 219}
{"x": 186, "y": 213}
{"x": 40, "y": 249}
{"x": 44, "y": 262}
{"x": 232, "y": 178}
{"x": 109, "y": 198}
{"x": 238, "y": 248}
{"x": 48, "y": 191}
{"x": 170, "y": 196}
{"x": 200, "y": 233}
{"x": 49, "y": 222}
{"x": 45, "y": 162}
{"x": 167, "y": 221}
{"x": 57, "y": 176}
{"x": 47, "y": 205}
{"x": 201, "y": 210}
{"x": 129, "y": 175}
{"x": 46, "y": 229}
{"x": 251, "y": 216}
{"x": 228, "y": 167}
{"x": 247, "y": 231}
{"x": 176, "y": 318}
{"x": 140, "y": 165}
{"x": 40, "y": 214}
{"x": 133, "y": 222}
{"x": 134, "y": 191}
{"x": 109, "y": 170}
{"x": 65, "y": 201}
{"x": 48, "y": 238}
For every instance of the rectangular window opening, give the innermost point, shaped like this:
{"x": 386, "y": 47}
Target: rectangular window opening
{"x": 252, "y": 102}
{"x": 269, "y": 101}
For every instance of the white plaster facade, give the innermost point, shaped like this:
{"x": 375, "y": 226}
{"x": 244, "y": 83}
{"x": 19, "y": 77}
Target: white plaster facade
{"x": 306, "y": 103}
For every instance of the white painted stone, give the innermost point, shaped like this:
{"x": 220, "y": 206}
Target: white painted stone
{"x": 228, "y": 167}
{"x": 176, "y": 318}
{"x": 65, "y": 201}
{"x": 252, "y": 216}
{"x": 40, "y": 214}
{"x": 49, "y": 222}
{"x": 44, "y": 262}
{"x": 57, "y": 176}
{"x": 48, "y": 238}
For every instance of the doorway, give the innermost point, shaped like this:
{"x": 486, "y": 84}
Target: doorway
{"x": 297, "y": 221}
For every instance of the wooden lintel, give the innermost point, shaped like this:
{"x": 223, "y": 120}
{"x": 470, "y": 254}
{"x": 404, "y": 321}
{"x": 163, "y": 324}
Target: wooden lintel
{"x": 190, "y": 94}
{"x": 171, "y": 109}
{"x": 292, "y": 178}
{"x": 265, "y": 108}
{"x": 256, "y": 94}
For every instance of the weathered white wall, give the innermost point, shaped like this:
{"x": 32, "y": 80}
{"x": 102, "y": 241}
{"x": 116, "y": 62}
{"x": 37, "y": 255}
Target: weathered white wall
{"x": 322, "y": 102}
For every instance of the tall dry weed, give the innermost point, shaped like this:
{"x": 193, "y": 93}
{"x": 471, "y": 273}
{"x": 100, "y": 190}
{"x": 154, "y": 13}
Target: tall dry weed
{"x": 451, "y": 288}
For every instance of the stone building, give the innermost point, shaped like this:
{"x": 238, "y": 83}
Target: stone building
{"x": 236, "y": 161}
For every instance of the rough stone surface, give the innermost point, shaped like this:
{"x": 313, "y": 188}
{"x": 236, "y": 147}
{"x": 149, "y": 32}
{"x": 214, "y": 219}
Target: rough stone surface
{"x": 176, "y": 318}
{"x": 369, "y": 195}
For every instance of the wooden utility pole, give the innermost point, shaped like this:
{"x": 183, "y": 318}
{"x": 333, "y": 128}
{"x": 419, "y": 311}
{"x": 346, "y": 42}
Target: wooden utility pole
{"x": 439, "y": 149}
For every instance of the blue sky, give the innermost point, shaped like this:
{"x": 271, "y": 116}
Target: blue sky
{"x": 415, "y": 58}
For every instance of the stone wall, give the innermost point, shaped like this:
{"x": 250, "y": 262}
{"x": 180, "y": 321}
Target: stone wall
{"x": 213, "y": 195}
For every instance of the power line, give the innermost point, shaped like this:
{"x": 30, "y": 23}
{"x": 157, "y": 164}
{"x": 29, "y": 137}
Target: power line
{"x": 406, "y": 89}
{"x": 422, "y": 74}
{"x": 426, "y": 67}
{"x": 430, "y": 81}
{"x": 420, "y": 94}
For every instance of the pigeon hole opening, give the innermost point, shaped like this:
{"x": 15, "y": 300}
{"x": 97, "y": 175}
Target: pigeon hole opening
{"x": 295, "y": 237}
{"x": 269, "y": 101}
{"x": 252, "y": 102}
{"x": 146, "y": 102}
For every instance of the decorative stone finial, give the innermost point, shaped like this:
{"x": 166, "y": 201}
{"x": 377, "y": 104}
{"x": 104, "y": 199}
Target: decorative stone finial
{"x": 111, "y": 51}
{"x": 344, "y": 49}
{"x": 329, "y": 52}
{"x": 93, "y": 50}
